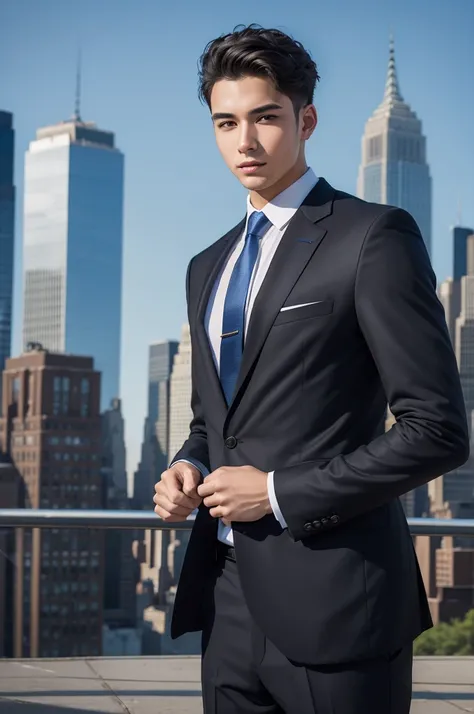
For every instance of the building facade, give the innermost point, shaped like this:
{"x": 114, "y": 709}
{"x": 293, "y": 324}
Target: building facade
{"x": 114, "y": 452}
{"x": 11, "y": 496}
{"x": 72, "y": 248}
{"x": 160, "y": 362}
{"x": 154, "y": 452}
{"x": 449, "y": 293}
{"x": 394, "y": 168}
{"x": 180, "y": 394}
{"x": 461, "y": 235}
{"x": 50, "y": 429}
{"x": 7, "y": 233}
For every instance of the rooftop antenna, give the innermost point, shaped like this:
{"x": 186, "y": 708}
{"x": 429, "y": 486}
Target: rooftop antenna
{"x": 392, "y": 88}
{"x": 77, "y": 108}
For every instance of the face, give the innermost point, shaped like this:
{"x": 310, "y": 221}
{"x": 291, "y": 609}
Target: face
{"x": 258, "y": 134}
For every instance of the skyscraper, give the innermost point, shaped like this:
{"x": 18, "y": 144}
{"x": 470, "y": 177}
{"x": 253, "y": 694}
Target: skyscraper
{"x": 160, "y": 362}
{"x": 7, "y": 223}
{"x": 463, "y": 264}
{"x": 180, "y": 394}
{"x": 394, "y": 168}
{"x": 50, "y": 429}
{"x": 180, "y": 418}
{"x": 458, "y": 485}
{"x": 154, "y": 454}
{"x": 73, "y": 245}
{"x": 460, "y": 241}
{"x": 449, "y": 293}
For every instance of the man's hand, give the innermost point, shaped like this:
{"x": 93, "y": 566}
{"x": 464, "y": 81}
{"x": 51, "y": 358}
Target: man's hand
{"x": 236, "y": 493}
{"x": 176, "y": 495}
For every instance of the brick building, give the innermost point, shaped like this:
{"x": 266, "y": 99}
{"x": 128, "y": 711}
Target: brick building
{"x": 50, "y": 429}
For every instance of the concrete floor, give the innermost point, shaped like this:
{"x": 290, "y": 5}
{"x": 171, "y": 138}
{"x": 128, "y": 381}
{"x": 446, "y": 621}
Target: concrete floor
{"x": 171, "y": 685}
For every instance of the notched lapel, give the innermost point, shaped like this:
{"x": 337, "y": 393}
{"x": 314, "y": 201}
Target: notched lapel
{"x": 299, "y": 242}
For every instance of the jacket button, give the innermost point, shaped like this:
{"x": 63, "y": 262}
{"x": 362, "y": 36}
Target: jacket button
{"x": 324, "y": 521}
{"x": 335, "y": 519}
{"x": 316, "y": 524}
{"x": 308, "y": 526}
{"x": 231, "y": 442}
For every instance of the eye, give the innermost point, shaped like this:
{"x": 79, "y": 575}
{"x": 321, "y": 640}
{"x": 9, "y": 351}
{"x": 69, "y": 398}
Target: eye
{"x": 269, "y": 117}
{"x": 225, "y": 124}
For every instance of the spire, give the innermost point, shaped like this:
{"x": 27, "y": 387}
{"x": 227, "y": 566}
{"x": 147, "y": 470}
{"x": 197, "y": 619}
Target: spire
{"x": 392, "y": 90}
{"x": 77, "y": 109}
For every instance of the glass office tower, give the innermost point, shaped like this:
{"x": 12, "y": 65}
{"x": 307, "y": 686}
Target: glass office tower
{"x": 73, "y": 245}
{"x": 7, "y": 235}
{"x": 394, "y": 168}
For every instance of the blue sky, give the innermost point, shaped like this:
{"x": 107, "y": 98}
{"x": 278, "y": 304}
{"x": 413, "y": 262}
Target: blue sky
{"x": 140, "y": 80}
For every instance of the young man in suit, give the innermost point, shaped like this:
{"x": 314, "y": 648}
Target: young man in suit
{"x": 306, "y": 319}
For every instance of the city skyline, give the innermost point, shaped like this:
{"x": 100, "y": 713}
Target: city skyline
{"x": 127, "y": 87}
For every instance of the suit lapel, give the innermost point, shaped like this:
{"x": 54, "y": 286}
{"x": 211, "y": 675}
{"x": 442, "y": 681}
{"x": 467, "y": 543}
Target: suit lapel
{"x": 216, "y": 256}
{"x": 297, "y": 246}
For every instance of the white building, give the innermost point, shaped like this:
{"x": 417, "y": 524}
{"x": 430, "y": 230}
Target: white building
{"x": 180, "y": 395}
{"x": 394, "y": 168}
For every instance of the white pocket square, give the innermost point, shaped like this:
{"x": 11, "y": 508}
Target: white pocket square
{"x": 304, "y": 304}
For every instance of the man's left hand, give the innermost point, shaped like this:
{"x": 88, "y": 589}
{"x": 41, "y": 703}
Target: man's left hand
{"x": 236, "y": 493}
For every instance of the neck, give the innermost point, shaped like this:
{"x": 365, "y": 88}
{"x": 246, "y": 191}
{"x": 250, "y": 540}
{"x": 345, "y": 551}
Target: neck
{"x": 259, "y": 199}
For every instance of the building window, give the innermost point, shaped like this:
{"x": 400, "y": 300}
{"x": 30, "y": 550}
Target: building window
{"x": 16, "y": 389}
{"x": 85, "y": 394}
{"x": 56, "y": 395}
{"x": 65, "y": 395}
{"x": 61, "y": 391}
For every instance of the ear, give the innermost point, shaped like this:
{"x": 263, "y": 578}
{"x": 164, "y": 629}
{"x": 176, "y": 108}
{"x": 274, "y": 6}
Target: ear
{"x": 309, "y": 121}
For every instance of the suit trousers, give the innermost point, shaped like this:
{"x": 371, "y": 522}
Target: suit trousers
{"x": 244, "y": 673}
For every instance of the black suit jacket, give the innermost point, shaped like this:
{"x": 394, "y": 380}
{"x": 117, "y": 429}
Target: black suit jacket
{"x": 342, "y": 582}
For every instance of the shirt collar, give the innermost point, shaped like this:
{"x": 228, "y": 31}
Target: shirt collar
{"x": 284, "y": 206}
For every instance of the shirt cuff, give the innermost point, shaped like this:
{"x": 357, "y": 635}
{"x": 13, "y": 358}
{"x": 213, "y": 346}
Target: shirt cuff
{"x": 194, "y": 462}
{"x": 273, "y": 500}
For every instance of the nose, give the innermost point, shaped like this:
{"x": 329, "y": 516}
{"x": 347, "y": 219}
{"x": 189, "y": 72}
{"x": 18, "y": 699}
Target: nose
{"x": 247, "y": 139}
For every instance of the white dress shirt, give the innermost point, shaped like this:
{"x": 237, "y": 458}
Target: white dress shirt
{"x": 279, "y": 211}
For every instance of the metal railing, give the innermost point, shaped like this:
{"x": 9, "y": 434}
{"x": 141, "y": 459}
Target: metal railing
{"x": 72, "y": 518}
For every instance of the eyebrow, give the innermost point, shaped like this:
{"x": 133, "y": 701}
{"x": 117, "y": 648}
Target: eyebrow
{"x": 252, "y": 112}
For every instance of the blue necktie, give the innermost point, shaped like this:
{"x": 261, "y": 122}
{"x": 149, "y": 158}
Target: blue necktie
{"x": 232, "y": 338}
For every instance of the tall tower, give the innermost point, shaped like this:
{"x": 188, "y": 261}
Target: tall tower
{"x": 154, "y": 453}
{"x": 180, "y": 418}
{"x": 7, "y": 223}
{"x": 73, "y": 244}
{"x": 394, "y": 168}
{"x": 180, "y": 394}
{"x": 461, "y": 235}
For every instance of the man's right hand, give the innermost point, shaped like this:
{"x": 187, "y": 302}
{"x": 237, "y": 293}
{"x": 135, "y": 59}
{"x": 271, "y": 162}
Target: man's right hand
{"x": 176, "y": 494}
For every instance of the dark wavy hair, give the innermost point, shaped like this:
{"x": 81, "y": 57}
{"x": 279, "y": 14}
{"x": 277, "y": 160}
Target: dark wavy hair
{"x": 258, "y": 52}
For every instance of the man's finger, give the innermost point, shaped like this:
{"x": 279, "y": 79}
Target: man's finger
{"x": 212, "y": 500}
{"x": 217, "y": 512}
{"x": 178, "y": 498}
{"x": 207, "y": 488}
{"x": 173, "y": 508}
{"x": 191, "y": 480}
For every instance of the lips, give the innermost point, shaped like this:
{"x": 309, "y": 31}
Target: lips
{"x": 250, "y": 164}
{"x": 250, "y": 167}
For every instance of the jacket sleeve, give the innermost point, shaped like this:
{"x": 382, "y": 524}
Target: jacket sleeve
{"x": 195, "y": 448}
{"x": 404, "y": 327}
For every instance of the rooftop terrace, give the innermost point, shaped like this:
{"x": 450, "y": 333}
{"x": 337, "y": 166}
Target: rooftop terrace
{"x": 171, "y": 685}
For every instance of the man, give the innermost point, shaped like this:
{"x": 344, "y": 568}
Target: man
{"x": 306, "y": 319}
